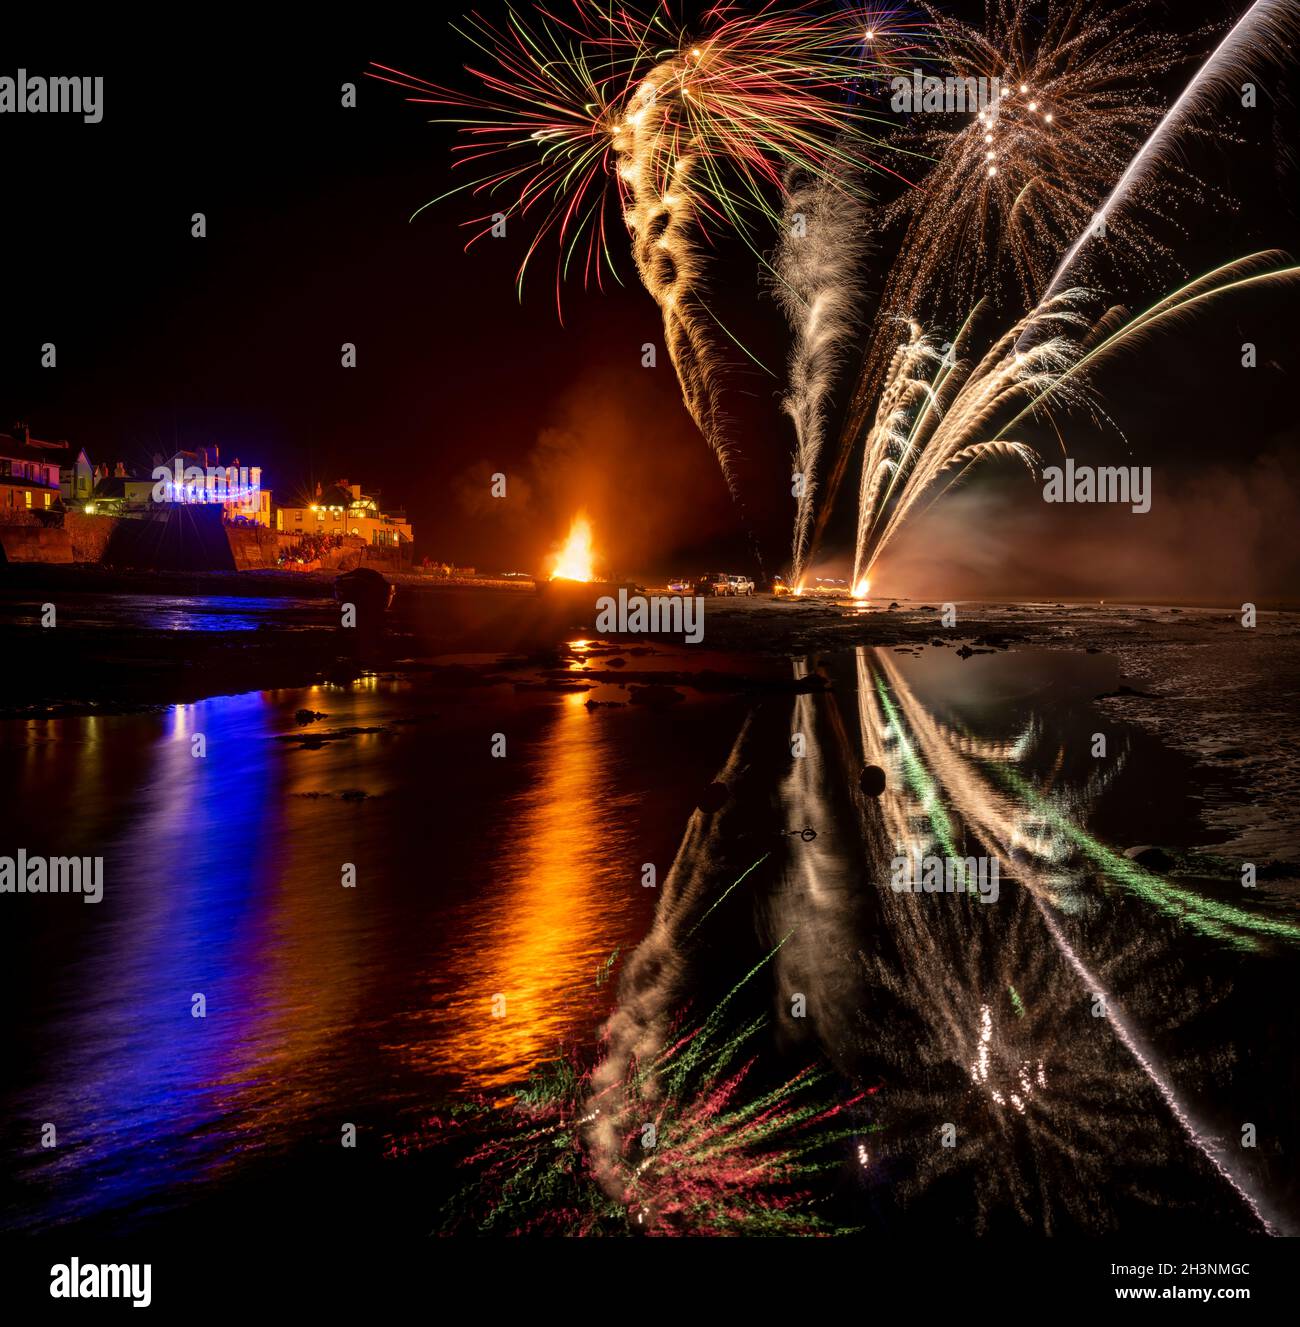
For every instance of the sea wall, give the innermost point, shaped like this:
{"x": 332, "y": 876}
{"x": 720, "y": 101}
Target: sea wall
{"x": 23, "y": 542}
{"x": 90, "y": 535}
{"x": 190, "y": 538}
{"x": 253, "y": 547}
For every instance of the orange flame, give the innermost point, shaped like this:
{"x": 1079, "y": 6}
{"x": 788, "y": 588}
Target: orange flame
{"x": 576, "y": 561}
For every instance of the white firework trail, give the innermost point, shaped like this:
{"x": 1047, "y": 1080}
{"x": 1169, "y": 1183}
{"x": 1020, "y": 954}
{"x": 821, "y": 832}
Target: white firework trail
{"x": 1264, "y": 31}
{"x": 938, "y": 416}
{"x": 817, "y": 268}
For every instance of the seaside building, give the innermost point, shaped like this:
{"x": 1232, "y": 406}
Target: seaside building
{"x": 76, "y": 477}
{"x": 343, "y": 509}
{"x": 198, "y": 476}
{"x": 29, "y": 472}
{"x": 185, "y": 478}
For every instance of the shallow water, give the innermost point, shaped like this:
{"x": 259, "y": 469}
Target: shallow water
{"x": 492, "y": 892}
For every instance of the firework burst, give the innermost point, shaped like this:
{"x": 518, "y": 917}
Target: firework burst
{"x": 1069, "y": 94}
{"x": 940, "y": 415}
{"x": 608, "y": 108}
{"x": 699, "y": 1148}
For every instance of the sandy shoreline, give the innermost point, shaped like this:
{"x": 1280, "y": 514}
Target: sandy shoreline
{"x": 1219, "y": 692}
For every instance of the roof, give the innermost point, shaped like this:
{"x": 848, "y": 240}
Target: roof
{"x": 32, "y": 449}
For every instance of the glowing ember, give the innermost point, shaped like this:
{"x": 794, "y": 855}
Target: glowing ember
{"x": 576, "y": 560}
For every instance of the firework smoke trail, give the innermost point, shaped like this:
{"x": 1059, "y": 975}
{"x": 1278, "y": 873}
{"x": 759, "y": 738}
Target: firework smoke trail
{"x": 1013, "y": 180}
{"x": 818, "y": 287}
{"x": 930, "y": 431}
{"x": 1264, "y": 31}
{"x": 661, "y": 214}
{"x": 703, "y": 108}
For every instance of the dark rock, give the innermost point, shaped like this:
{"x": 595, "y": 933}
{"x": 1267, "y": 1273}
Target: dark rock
{"x": 965, "y": 652}
{"x": 555, "y": 684}
{"x": 655, "y": 695}
{"x": 1274, "y": 870}
{"x": 1150, "y": 857}
{"x": 309, "y": 716}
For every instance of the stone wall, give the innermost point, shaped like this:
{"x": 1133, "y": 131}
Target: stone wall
{"x": 90, "y": 535}
{"x": 34, "y": 543}
{"x": 253, "y": 546}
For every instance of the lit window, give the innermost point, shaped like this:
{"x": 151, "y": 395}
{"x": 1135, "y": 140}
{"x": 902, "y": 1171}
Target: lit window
{"x": 47, "y": 499}
{"x": 27, "y": 493}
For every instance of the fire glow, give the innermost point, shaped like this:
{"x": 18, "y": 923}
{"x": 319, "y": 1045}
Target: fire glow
{"x": 576, "y": 560}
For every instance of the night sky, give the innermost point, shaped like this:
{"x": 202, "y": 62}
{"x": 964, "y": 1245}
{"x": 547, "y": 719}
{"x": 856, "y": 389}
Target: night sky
{"x": 165, "y": 340}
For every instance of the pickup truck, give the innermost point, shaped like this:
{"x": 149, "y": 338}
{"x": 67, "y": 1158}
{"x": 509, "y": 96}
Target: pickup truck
{"x": 714, "y": 582}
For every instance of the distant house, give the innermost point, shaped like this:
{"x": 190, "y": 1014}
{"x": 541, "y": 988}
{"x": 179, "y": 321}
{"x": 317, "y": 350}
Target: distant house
{"x": 29, "y": 472}
{"x": 199, "y": 477}
{"x": 117, "y": 493}
{"x": 76, "y": 478}
{"x": 344, "y": 509}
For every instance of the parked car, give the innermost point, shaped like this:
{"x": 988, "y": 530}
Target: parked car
{"x": 680, "y": 585}
{"x": 741, "y": 584}
{"x": 714, "y": 582}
